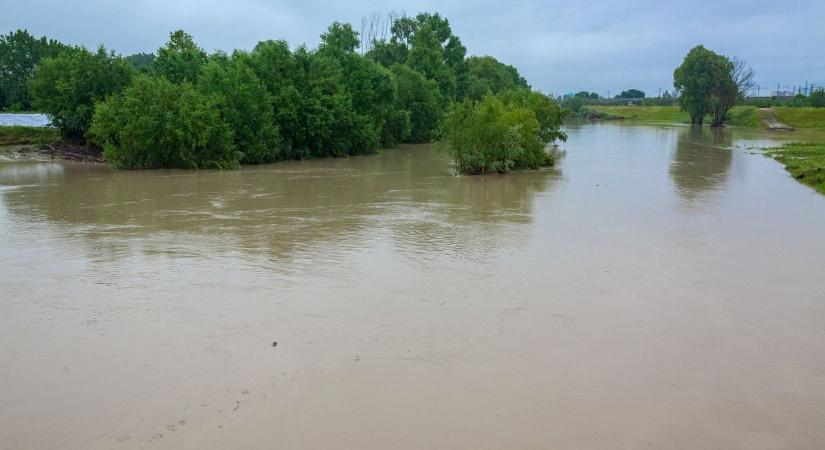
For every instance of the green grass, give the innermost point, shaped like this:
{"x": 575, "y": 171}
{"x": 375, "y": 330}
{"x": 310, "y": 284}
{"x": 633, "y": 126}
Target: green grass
{"x": 804, "y": 161}
{"x": 742, "y": 116}
{"x": 18, "y": 135}
{"x": 801, "y": 117}
{"x": 651, "y": 114}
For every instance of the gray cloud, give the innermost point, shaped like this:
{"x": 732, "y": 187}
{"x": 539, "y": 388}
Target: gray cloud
{"x": 560, "y": 46}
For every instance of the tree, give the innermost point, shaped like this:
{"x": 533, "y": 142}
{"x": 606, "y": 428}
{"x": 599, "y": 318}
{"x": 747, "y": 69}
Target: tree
{"x": 818, "y": 99}
{"x": 340, "y": 38}
{"x": 421, "y": 100}
{"x": 157, "y": 124}
{"x": 710, "y": 83}
{"x": 489, "y": 76}
{"x": 141, "y": 62}
{"x": 180, "y": 60}
{"x": 697, "y": 78}
{"x": 245, "y": 105}
{"x": 732, "y": 87}
{"x": 67, "y": 86}
{"x": 631, "y": 93}
{"x": 501, "y": 133}
{"x": 587, "y": 95}
{"x": 20, "y": 53}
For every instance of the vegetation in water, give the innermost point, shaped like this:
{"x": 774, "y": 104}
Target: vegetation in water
{"x": 502, "y": 132}
{"x": 22, "y": 135}
{"x": 804, "y": 161}
{"x": 183, "y": 107}
{"x": 710, "y": 83}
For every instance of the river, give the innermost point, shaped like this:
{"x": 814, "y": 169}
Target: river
{"x": 659, "y": 288}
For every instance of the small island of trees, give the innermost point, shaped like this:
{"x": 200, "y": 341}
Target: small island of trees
{"x": 181, "y": 107}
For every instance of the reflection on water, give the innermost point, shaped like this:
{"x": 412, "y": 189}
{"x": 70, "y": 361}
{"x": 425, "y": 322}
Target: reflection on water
{"x": 701, "y": 160}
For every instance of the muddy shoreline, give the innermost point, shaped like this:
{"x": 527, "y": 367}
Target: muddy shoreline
{"x": 68, "y": 151}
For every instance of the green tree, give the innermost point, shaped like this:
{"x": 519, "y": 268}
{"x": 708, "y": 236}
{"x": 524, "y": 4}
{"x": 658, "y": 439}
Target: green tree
{"x": 67, "y": 86}
{"x": 818, "y": 99}
{"x": 245, "y": 104}
{"x": 631, "y": 93}
{"x": 141, "y": 62}
{"x": 489, "y": 76}
{"x": 497, "y": 134}
{"x": 421, "y": 100}
{"x": 20, "y": 53}
{"x": 157, "y": 124}
{"x": 340, "y": 38}
{"x": 180, "y": 60}
{"x": 700, "y": 74}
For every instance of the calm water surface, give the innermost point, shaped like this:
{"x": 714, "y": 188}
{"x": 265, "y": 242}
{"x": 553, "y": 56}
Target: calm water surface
{"x": 659, "y": 288}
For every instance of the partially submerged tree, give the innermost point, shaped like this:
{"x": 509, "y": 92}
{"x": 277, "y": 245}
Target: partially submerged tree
{"x": 710, "y": 83}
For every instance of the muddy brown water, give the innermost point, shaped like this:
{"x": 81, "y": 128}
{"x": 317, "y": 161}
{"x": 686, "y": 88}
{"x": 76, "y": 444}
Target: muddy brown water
{"x": 659, "y": 288}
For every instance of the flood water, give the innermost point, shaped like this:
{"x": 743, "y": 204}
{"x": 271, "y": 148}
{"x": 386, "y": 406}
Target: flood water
{"x": 659, "y": 288}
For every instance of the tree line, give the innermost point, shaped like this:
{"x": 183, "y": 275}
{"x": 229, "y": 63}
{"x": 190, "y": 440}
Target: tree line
{"x": 183, "y": 107}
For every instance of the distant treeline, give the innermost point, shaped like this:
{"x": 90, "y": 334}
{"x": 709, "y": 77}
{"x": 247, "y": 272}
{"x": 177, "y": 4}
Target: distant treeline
{"x": 182, "y": 107}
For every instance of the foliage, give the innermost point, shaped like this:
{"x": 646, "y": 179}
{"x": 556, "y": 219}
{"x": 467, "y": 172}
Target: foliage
{"x": 489, "y": 76}
{"x": 67, "y": 86}
{"x": 180, "y": 60}
{"x": 631, "y": 93}
{"x": 155, "y": 123}
{"x": 426, "y": 43}
{"x": 804, "y": 161}
{"x": 22, "y": 135}
{"x": 587, "y": 95}
{"x": 817, "y": 99}
{"x": 276, "y": 102}
{"x": 421, "y": 99}
{"x": 245, "y": 105}
{"x": 710, "y": 84}
{"x": 501, "y": 133}
{"x": 141, "y": 62}
{"x": 20, "y": 53}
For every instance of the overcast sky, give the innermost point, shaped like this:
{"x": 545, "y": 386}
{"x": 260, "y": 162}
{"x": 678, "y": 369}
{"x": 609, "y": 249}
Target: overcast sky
{"x": 559, "y": 45}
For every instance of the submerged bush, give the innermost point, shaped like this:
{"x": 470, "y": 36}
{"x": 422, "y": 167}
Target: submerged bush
{"x": 502, "y": 133}
{"x": 157, "y": 124}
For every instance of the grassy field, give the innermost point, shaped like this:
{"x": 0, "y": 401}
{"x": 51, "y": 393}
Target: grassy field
{"x": 743, "y": 116}
{"x": 801, "y": 117}
{"x": 28, "y": 136}
{"x": 804, "y": 161}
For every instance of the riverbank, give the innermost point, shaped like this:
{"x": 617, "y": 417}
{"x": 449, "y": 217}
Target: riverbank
{"x": 25, "y": 135}
{"x": 21, "y": 142}
{"x": 743, "y": 116}
{"x": 805, "y": 161}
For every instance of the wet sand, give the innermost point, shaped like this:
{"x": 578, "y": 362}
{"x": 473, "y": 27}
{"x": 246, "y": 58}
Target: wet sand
{"x": 660, "y": 288}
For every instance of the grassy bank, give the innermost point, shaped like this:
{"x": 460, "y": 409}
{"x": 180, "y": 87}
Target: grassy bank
{"x": 18, "y": 135}
{"x": 804, "y": 161}
{"x": 742, "y": 116}
{"x": 801, "y": 117}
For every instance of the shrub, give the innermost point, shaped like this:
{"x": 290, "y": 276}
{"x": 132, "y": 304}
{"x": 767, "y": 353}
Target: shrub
{"x": 497, "y": 134}
{"x": 156, "y": 124}
{"x": 246, "y": 105}
{"x": 67, "y": 86}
